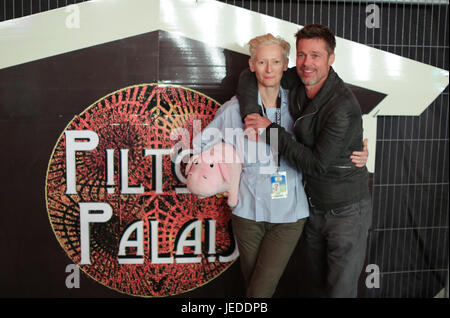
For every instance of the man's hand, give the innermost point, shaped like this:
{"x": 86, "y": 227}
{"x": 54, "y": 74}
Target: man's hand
{"x": 359, "y": 158}
{"x": 255, "y": 123}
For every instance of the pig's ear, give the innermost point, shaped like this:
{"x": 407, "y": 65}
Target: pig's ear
{"x": 194, "y": 159}
{"x": 225, "y": 171}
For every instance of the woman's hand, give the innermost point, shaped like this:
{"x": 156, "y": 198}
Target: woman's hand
{"x": 359, "y": 158}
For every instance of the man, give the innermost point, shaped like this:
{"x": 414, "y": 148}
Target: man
{"x": 328, "y": 128}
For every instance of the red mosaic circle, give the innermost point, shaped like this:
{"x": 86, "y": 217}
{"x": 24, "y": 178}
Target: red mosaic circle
{"x": 138, "y": 118}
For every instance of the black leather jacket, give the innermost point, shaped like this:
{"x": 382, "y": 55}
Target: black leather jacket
{"x": 328, "y": 129}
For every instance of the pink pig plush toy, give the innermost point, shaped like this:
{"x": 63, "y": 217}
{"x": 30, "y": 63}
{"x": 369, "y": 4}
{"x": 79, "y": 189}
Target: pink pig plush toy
{"x": 215, "y": 171}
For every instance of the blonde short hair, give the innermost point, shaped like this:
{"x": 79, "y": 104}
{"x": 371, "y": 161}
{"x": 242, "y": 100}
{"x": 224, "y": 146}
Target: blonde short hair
{"x": 267, "y": 39}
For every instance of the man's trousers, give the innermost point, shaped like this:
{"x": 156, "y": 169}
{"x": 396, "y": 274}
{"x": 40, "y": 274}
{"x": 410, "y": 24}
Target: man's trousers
{"x": 336, "y": 244}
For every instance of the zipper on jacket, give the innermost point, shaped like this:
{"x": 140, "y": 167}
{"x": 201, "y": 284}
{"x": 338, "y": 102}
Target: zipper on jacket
{"x": 306, "y": 115}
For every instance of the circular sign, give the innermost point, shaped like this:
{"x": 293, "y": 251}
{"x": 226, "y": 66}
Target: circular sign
{"x": 116, "y": 201}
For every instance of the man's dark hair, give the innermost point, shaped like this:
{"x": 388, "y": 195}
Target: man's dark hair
{"x": 314, "y": 31}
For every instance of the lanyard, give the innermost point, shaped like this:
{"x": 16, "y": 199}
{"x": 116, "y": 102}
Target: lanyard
{"x": 278, "y": 115}
{"x": 278, "y": 119}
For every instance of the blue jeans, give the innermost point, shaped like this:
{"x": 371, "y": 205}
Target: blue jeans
{"x": 336, "y": 243}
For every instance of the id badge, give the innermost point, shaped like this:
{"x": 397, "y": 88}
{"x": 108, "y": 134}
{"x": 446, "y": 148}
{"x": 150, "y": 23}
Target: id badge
{"x": 279, "y": 185}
